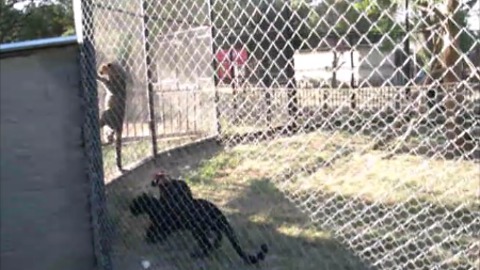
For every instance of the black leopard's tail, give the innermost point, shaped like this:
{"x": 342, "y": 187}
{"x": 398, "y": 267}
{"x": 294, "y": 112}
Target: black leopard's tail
{"x": 248, "y": 258}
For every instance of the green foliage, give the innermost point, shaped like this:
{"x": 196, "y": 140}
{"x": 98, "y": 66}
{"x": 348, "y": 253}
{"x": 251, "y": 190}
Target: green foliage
{"x": 467, "y": 38}
{"x": 467, "y": 41}
{"x": 37, "y": 20}
{"x": 9, "y": 22}
{"x": 367, "y": 18}
{"x": 376, "y": 17}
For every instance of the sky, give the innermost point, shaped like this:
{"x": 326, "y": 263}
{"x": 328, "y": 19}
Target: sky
{"x": 21, "y": 4}
{"x": 474, "y": 20}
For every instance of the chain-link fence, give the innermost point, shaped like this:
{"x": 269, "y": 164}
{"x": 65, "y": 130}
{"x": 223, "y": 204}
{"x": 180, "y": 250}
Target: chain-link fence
{"x": 345, "y": 133}
{"x": 169, "y": 98}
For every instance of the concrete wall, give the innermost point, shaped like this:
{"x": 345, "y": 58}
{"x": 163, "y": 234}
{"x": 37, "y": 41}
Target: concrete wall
{"x": 45, "y": 214}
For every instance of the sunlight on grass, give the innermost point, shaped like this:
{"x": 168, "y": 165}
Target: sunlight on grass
{"x": 367, "y": 175}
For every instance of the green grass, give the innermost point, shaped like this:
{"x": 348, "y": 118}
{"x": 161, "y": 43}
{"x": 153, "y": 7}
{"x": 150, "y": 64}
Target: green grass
{"x": 420, "y": 202}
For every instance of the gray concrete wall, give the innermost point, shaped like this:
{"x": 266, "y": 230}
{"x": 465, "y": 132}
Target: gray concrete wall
{"x": 45, "y": 216}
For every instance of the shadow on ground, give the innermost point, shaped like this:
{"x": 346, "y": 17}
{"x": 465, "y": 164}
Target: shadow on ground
{"x": 293, "y": 249}
{"x": 411, "y": 234}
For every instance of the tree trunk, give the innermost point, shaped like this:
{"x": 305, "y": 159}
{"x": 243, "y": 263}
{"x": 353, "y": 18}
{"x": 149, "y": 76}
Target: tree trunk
{"x": 451, "y": 64}
{"x": 446, "y": 69}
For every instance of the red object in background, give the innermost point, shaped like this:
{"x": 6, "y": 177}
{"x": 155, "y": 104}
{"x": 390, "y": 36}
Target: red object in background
{"x": 239, "y": 56}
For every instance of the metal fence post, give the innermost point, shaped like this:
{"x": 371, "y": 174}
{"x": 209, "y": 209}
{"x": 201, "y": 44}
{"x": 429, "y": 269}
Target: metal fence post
{"x": 148, "y": 66}
{"x": 406, "y": 48}
{"x": 84, "y": 24}
{"x": 211, "y": 12}
{"x": 289, "y": 52}
{"x": 267, "y": 83}
{"x": 233, "y": 80}
{"x": 353, "y": 103}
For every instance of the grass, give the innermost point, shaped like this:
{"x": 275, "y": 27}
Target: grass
{"x": 321, "y": 202}
{"x": 365, "y": 175}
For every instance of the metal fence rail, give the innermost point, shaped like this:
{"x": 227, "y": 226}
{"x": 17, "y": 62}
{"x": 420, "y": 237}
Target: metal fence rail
{"x": 349, "y": 129}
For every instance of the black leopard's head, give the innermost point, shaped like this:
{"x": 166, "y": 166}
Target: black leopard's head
{"x": 159, "y": 178}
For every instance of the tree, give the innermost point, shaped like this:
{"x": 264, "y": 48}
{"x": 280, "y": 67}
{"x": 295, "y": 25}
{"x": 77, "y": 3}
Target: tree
{"x": 447, "y": 25}
{"x": 444, "y": 35}
{"x": 10, "y": 21}
{"x": 447, "y": 63}
{"x": 41, "y": 19}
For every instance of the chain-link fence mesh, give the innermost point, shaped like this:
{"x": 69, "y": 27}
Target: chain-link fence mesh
{"x": 169, "y": 99}
{"x": 346, "y": 133}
